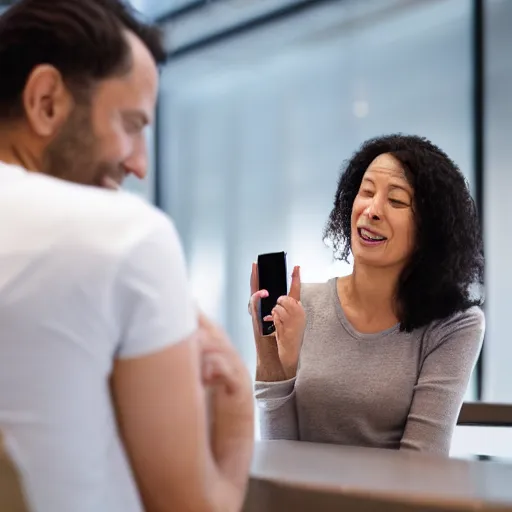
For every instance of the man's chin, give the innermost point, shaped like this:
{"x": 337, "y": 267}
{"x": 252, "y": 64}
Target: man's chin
{"x": 109, "y": 183}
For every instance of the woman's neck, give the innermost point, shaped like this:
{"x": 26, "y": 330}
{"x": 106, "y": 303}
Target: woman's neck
{"x": 371, "y": 292}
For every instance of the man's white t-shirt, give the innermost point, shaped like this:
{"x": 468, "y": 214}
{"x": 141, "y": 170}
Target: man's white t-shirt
{"x": 86, "y": 276}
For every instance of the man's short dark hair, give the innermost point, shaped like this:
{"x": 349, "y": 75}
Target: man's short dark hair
{"x": 84, "y": 39}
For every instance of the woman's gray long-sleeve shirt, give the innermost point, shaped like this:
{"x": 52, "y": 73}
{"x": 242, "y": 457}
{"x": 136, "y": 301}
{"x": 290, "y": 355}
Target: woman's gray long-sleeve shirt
{"x": 392, "y": 389}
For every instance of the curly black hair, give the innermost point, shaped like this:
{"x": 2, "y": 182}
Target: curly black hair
{"x": 445, "y": 273}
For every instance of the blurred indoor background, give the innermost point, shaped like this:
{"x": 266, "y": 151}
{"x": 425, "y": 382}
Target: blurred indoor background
{"x": 263, "y": 100}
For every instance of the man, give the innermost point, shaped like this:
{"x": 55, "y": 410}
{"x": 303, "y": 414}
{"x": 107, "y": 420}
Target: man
{"x": 11, "y": 493}
{"x": 102, "y": 397}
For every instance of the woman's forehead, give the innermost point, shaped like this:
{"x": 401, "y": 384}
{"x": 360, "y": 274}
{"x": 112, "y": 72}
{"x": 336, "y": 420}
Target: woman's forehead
{"x": 387, "y": 166}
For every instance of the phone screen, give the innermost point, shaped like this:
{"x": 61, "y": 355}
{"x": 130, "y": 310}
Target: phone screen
{"x": 272, "y": 277}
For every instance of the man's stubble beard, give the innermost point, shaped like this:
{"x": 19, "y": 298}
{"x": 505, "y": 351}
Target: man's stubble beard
{"x": 73, "y": 154}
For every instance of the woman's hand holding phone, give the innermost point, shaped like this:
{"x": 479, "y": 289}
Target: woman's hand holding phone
{"x": 278, "y": 354}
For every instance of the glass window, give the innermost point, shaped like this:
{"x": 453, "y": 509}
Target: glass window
{"x": 157, "y": 8}
{"x": 497, "y": 189}
{"x": 472, "y": 441}
{"x": 254, "y": 132}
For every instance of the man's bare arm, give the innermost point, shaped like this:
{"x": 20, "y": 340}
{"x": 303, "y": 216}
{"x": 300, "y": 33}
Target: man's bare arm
{"x": 161, "y": 408}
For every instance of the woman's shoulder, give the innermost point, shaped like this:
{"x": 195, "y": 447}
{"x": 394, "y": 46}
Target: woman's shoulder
{"x": 466, "y": 327}
{"x": 472, "y": 318}
{"x": 314, "y": 294}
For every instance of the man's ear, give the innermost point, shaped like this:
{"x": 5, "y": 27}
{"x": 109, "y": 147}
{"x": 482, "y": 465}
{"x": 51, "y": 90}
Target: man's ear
{"x": 46, "y": 100}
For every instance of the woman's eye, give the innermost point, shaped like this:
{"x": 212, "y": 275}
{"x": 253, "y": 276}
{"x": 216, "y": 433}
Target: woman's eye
{"x": 397, "y": 202}
{"x": 367, "y": 193}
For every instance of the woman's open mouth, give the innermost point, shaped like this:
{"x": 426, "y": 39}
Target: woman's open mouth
{"x": 369, "y": 237}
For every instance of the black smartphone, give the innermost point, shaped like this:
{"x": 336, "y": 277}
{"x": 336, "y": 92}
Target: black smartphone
{"x": 272, "y": 277}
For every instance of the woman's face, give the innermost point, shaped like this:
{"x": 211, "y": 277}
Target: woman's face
{"x": 383, "y": 227}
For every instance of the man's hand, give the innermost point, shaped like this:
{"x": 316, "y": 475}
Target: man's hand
{"x": 231, "y": 406}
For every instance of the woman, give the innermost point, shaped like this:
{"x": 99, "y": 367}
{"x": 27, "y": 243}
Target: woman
{"x": 387, "y": 352}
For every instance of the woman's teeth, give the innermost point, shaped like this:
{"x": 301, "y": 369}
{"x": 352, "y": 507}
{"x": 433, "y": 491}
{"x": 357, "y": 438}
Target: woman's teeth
{"x": 367, "y": 235}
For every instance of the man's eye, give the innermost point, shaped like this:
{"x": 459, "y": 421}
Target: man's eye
{"x": 133, "y": 126}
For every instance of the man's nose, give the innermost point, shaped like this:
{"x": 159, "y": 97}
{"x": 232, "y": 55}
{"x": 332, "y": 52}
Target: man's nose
{"x": 137, "y": 165}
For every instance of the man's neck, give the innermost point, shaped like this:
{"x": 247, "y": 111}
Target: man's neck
{"x": 14, "y": 150}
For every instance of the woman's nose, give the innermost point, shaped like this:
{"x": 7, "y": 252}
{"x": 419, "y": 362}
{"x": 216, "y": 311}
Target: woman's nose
{"x": 374, "y": 210}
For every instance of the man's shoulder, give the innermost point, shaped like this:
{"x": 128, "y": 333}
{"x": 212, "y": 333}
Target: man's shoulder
{"x": 119, "y": 219}
{"x": 75, "y": 198}
{"x": 104, "y": 221}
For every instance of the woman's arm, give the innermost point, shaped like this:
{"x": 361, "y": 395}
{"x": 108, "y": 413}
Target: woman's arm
{"x": 442, "y": 383}
{"x": 277, "y": 410}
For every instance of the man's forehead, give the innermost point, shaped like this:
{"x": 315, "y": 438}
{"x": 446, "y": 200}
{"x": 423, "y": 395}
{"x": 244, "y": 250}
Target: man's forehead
{"x": 140, "y": 55}
{"x": 133, "y": 94}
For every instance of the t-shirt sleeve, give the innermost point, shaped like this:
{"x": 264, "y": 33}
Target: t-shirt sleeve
{"x": 153, "y": 298}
